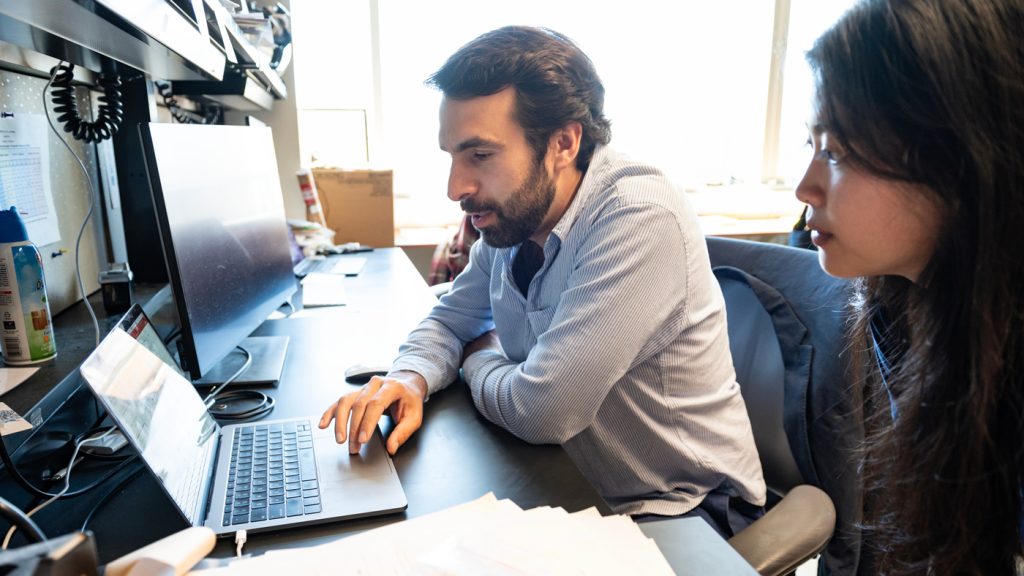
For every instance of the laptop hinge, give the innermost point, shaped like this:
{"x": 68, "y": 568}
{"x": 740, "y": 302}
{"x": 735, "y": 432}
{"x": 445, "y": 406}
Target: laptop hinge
{"x": 208, "y": 497}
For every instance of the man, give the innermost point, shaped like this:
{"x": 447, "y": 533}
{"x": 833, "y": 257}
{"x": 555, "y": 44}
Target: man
{"x": 588, "y": 315}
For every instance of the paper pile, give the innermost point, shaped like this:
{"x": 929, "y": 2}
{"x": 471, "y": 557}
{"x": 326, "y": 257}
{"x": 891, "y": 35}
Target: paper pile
{"x": 486, "y": 536}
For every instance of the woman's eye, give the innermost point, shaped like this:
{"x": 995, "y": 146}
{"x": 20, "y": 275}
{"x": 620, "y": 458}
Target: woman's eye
{"x": 831, "y": 156}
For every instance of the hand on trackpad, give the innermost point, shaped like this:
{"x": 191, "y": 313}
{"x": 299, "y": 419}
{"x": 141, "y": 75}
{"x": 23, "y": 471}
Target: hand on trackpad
{"x": 361, "y": 373}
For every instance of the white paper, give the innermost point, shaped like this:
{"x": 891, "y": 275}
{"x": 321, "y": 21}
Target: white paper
{"x": 11, "y": 377}
{"x": 25, "y": 175}
{"x": 485, "y": 536}
{"x": 11, "y": 421}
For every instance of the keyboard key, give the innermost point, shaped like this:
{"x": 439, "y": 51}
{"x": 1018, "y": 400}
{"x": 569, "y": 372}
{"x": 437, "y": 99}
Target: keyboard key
{"x": 239, "y": 518}
{"x": 314, "y": 509}
{"x": 259, "y": 515}
{"x": 276, "y": 511}
{"x": 295, "y": 507}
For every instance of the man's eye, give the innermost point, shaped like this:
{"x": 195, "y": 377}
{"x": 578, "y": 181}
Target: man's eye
{"x": 478, "y": 156}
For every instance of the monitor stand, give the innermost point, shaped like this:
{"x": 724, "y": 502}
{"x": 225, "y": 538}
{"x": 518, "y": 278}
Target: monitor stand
{"x": 268, "y": 353}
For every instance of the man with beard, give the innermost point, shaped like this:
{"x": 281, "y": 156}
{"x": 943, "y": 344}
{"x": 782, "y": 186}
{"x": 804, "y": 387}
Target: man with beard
{"x": 588, "y": 315}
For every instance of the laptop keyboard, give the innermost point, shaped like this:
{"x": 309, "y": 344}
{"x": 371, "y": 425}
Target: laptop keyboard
{"x": 273, "y": 473}
{"x": 349, "y": 266}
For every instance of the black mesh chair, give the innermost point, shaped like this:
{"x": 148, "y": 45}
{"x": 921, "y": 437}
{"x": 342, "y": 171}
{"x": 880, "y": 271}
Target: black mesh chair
{"x": 785, "y": 332}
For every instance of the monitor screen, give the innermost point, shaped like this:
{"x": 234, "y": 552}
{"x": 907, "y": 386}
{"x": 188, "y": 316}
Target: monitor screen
{"x": 223, "y": 231}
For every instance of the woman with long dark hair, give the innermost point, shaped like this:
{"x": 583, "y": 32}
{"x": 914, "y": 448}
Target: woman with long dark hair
{"x": 916, "y": 187}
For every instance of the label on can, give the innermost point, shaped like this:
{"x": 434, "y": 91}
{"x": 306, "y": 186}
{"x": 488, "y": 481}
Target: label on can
{"x": 26, "y": 334}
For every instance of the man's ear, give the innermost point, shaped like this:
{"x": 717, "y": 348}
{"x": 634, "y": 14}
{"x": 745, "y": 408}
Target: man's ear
{"x": 565, "y": 143}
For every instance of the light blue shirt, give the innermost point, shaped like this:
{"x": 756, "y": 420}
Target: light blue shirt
{"x": 620, "y": 353}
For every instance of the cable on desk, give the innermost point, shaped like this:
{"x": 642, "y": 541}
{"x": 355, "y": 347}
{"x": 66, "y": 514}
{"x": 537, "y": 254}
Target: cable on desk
{"x": 110, "y": 493}
{"x": 264, "y": 405}
{"x": 218, "y": 403}
{"x": 62, "y": 77}
{"x": 18, "y": 478}
{"x": 67, "y": 482}
{"x": 245, "y": 366}
{"x": 19, "y": 519}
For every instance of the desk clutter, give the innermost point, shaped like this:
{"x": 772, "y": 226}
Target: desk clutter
{"x": 484, "y": 536}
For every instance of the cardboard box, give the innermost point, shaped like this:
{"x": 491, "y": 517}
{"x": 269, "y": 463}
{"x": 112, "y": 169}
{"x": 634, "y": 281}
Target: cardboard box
{"x": 358, "y": 205}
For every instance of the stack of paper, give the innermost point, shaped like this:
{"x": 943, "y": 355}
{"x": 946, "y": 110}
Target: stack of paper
{"x": 323, "y": 290}
{"x": 486, "y": 536}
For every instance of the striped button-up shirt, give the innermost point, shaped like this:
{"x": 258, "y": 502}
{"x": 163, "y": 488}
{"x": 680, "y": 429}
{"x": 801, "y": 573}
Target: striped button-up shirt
{"x": 620, "y": 353}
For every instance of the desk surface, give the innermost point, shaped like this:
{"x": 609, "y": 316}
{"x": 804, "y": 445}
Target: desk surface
{"x": 454, "y": 458}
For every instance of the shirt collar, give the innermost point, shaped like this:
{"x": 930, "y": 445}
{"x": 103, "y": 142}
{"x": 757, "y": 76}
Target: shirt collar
{"x": 587, "y": 188}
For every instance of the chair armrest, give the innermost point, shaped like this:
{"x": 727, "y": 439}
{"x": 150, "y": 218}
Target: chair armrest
{"x": 175, "y": 554}
{"x": 793, "y": 531}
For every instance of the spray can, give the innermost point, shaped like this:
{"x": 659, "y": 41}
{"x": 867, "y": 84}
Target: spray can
{"x": 26, "y": 334}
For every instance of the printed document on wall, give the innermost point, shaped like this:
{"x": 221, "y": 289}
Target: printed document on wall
{"x": 25, "y": 175}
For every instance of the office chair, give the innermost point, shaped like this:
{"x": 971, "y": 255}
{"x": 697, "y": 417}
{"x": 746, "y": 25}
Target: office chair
{"x": 785, "y": 318}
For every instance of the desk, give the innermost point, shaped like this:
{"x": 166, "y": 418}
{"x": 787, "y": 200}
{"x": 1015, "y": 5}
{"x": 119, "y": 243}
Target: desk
{"x": 454, "y": 458}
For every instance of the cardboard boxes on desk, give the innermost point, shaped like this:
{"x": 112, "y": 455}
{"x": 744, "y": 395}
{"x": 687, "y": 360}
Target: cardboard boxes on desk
{"x": 358, "y": 205}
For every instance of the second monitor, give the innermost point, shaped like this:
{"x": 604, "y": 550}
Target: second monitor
{"x": 224, "y": 235}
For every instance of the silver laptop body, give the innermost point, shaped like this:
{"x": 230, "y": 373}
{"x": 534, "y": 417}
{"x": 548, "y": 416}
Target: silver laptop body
{"x": 163, "y": 417}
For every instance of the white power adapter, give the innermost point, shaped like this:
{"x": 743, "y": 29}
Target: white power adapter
{"x": 104, "y": 442}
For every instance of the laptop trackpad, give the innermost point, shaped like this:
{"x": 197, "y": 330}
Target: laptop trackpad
{"x": 335, "y": 462}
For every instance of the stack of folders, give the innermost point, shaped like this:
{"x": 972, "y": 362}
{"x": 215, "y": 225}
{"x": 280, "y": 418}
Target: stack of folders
{"x": 485, "y": 536}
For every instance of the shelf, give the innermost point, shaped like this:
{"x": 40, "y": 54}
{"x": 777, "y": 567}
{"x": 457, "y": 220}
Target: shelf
{"x": 205, "y": 56}
{"x": 148, "y": 35}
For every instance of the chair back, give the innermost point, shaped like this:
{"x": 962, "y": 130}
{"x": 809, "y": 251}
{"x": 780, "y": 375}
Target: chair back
{"x": 761, "y": 374}
{"x": 775, "y": 292}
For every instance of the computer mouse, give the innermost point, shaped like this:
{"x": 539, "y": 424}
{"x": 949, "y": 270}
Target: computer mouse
{"x": 361, "y": 373}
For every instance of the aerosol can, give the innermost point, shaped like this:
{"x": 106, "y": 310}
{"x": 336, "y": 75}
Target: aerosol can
{"x": 26, "y": 334}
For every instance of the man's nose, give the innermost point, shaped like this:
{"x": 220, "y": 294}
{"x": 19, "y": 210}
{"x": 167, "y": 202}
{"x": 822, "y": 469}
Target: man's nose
{"x": 460, "y": 184}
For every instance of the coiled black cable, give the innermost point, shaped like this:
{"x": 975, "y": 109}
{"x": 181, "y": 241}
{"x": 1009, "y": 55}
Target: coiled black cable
{"x": 212, "y": 114}
{"x": 111, "y": 111}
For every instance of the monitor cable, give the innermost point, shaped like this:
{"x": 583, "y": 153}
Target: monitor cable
{"x": 111, "y": 110}
{"x": 62, "y": 475}
{"x": 117, "y": 488}
{"x": 219, "y": 403}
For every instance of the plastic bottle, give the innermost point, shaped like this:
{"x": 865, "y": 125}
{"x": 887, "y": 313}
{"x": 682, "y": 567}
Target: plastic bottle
{"x": 26, "y": 334}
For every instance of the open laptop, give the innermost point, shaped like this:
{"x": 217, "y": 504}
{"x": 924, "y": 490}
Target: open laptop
{"x": 256, "y": 476}
{"x": 341, "y": 264}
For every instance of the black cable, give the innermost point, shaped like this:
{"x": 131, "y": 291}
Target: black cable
{"x": 218, "y": 402}
{"x": 111, "y": 109}
{"x": 5, "y": 456}
{"x": 212, "y": 114}
{"x": 109, "y": 493}
{"x": 221, "y": 403}
{"x": 18, "y": 518}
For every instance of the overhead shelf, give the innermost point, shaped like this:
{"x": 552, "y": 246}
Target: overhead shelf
{"x": 209, "y": 55}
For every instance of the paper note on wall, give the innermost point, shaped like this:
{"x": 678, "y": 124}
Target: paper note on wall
{"x": 25, "y": 174}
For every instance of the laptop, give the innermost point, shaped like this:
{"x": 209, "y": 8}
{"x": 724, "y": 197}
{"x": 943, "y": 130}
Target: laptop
{"x": 257, "y": 476}
{"x": 302, "y": 266}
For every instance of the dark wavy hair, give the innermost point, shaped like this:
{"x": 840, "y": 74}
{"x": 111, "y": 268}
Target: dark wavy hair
{"x": 555, "y": 83}
{"x": 932, "y": 92}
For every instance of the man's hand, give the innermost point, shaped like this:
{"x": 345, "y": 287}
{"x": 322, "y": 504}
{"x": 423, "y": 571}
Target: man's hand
{"x": 402, "y": 393}
{"x": 486, "y": 341}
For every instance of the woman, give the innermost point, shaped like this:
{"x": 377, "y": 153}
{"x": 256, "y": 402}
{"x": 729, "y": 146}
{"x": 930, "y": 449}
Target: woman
{"x": 916, "y": 187}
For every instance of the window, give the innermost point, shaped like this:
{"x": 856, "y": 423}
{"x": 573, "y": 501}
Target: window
{"x": 687, "y": 85}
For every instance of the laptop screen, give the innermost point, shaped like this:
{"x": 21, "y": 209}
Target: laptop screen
{"x": 137, "y": 325}
{"x": 160, "y": 413}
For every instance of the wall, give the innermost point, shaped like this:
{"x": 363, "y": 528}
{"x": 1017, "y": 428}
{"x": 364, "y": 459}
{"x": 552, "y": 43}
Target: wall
{"x": 23, "y": 93}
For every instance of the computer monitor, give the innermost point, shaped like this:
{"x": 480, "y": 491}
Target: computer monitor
{"x": 224, "y": 236}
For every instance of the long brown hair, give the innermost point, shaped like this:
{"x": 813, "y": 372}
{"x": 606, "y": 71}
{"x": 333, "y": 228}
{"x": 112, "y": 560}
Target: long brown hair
{"x": 932, "y": 92}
